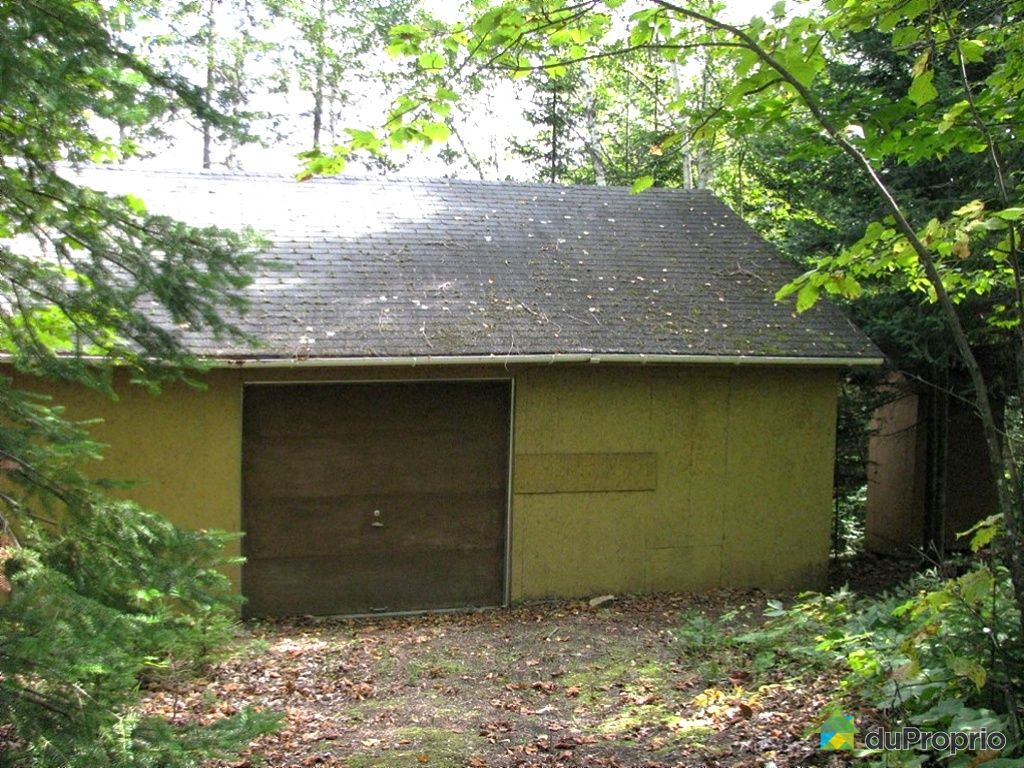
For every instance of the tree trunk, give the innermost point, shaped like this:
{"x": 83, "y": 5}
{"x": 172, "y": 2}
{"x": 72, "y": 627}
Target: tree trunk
{"x": 553, "y": 166}
{"x": 318, "y": 76}
{"x": 318, "y": 112}
{"x": 211, "y": 63}
{"x": 238, "y": 80}
{"x": 687, "y": 156}
{"x": 593, "y": 136}
{"x": 936, "y": 419}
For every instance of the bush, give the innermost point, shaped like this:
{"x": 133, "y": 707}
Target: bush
{"x": 938, "y": 653}
{"x": 108, "y": 598}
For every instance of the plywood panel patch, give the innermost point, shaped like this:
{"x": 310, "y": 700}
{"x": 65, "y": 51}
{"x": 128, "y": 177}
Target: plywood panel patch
{"x": 585, "y": 472}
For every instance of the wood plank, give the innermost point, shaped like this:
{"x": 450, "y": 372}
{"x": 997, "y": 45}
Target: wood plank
{"x": 291, "y": 467}
{"x": 368, "y": 583}
{"x": 343, "y": 525}
{"x": 388, "y": 408}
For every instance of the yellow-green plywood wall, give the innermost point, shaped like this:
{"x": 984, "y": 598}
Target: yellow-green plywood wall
{"x": 742, "y": 459}
{"x": 182, "y": 447}
{"x": 625, "y": 479}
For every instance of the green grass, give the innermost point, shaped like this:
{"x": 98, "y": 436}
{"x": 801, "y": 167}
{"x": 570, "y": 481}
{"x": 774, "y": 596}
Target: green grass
{"x": 428, "y": 668}
{"x": 427, "y": 746}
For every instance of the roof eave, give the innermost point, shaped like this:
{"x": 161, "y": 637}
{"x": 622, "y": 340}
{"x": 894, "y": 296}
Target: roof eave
{"x": 544, "y": 359}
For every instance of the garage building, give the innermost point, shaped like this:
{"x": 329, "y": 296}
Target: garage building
{"x": 470, "y": 393}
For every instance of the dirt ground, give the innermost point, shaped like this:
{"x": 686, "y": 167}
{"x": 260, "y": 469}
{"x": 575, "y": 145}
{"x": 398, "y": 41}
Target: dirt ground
{"x": 635, "y": 682}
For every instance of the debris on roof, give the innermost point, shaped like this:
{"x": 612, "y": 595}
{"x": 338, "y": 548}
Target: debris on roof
{"x": 361, "y": 267}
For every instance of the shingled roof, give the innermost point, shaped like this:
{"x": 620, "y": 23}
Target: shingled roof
{"x": 372, "y": 268}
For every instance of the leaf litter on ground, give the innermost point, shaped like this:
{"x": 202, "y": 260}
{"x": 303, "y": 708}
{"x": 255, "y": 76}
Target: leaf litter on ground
{"x": 558, "y": 684}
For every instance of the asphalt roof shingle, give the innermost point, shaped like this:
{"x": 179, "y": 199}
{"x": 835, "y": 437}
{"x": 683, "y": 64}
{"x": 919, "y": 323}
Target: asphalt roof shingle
{"x": 398, "y": 268}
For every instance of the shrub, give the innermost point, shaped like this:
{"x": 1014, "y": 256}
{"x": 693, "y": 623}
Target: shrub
{"x": 938, "y": 653}
{"x": 107, "y": 598}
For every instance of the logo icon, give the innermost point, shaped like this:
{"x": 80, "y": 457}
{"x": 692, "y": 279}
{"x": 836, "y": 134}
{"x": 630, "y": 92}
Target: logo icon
{"x": 837, "y": 732}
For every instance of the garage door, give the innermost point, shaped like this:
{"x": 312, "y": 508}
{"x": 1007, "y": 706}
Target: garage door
{"x": 373, "y": 498}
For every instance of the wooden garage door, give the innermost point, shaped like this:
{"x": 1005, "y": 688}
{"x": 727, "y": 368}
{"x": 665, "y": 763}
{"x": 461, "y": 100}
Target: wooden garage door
{"x": 364, "y": 498}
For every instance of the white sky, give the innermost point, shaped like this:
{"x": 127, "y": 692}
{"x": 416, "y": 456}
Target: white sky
{"x": 485, "y": 124}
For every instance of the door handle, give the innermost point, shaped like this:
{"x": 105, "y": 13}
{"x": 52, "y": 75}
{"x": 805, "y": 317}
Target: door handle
{"x": 377, "y": 522}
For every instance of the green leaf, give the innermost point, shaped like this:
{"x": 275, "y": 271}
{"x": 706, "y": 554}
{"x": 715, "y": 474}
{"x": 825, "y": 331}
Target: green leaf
{"x": 994, "y": 224}
{"x": 641, "y": 34}
{"x": 137, "y": 204}
{"x": 672, "y": 139}
{"x": 982, "y": 532}
{"x": 436, "y": 132}
{"x": 914, "y": 8}
{"x": 949, "y": 119}
{"x": 554, "y": 67}
{"x": 803, "y": 71}
{"x": 970, "y": 669}
{"x": 758, "y": 81}
{"x": 975, "y": 586}
{"x": 983, "y": 537}
{"x": 970, "y": 209}
{"x": 787, "y": 290}
{"x": 362, "y": 139}
{"x": 747, "y": 59}
{"x": 487, "y": 22}
{"x": 807, "y": 297}
{"x": 642, "y": 183}
{"x": 972, "y": 51}
{"x": 921, "y": 63}
{"x": 849, "y": 287}
{"x": 522, "y": 67}
{"x": 921, "y": 89}
{"x": 559, "y": 37}
{"x": 905, "y": 36}
{"x": 322, "y": 165}
{"x": 888, "y": 21}
{"x": 431, "y": 61}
